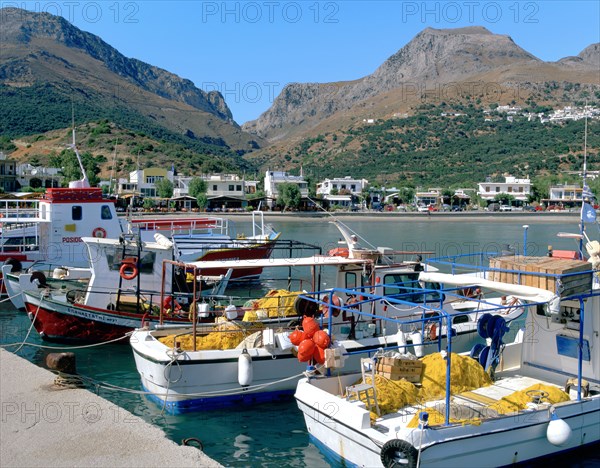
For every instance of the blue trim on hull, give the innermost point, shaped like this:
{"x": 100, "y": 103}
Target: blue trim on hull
{"x": 220, "y": 402}
{"x": 331, "y": 457}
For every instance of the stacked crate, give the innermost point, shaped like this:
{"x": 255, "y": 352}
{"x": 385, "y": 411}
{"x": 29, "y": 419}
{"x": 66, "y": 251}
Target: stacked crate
{"x": 394, "y": 368}
{"x": 575, "y": 276}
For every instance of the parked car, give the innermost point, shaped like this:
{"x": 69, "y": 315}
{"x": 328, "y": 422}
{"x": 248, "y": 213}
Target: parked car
{"x": 422, "y": 209}
{"x": 493, "y": 207}
{"x": 506, "y": 208}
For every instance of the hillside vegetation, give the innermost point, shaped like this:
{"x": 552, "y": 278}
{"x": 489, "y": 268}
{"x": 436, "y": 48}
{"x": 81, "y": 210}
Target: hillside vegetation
{"x": 434, "y": 150}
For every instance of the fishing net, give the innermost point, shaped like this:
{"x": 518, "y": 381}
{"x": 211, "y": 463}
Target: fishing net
{"x": 518, "y": 400}
{"x": 465, "y": 374}
{"x": 226, "y": 335}
{"x": 277, "y": 303}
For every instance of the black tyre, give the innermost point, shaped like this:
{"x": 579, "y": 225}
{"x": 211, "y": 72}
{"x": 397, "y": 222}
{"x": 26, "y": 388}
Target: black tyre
{"x": 396, "y": 453}
{"x": 15, "y": 264}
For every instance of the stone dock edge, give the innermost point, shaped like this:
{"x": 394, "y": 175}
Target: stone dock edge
{"x": 44, "y": 425}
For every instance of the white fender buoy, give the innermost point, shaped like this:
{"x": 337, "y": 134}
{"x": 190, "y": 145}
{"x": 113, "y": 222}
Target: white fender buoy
{"x": 417, "y": 340}
{"x": 401, "y": 338}
{"x": 558, "y": 432}
{"x": 245, "y": 369}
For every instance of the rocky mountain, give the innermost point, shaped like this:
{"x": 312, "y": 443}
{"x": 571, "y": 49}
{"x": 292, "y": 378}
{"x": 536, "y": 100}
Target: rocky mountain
{"x": 45, "y": 57}
{"x": 433, "y": 59}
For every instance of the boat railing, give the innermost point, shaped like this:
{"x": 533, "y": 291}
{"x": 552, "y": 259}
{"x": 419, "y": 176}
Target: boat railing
{"x": 183, "y": 226}
{"x": 430, "y": 311}
{"x": 18, "y": 210}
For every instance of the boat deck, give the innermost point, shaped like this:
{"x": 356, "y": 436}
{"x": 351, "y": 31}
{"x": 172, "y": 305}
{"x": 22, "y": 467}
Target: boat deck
{"x": 466, "y": 405}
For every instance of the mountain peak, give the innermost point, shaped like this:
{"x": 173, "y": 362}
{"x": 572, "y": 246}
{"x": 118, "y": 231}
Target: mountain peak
{"x": 468, "y": 30}
{"x": 21, "y": 27}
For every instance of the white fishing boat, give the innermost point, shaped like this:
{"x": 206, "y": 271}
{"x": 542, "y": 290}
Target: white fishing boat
{"x": 181, "y": 372}
{"x": 499, "y": 405}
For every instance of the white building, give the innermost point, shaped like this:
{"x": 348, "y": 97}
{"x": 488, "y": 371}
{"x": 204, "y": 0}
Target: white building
{"x": 222, "y": 190}
{"x": 565, "y": 195}
{"x": 520, "y": 189}
{"x": 275, "y": 178}
{"x": 430, "y": 197}
{"x": 342, "y": 186}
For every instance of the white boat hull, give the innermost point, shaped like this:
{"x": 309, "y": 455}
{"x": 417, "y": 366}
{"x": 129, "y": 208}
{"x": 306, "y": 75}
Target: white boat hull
{"x": 502, "y": 441}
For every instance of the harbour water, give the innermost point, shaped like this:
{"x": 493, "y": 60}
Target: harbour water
{"x": 273, "y": 435}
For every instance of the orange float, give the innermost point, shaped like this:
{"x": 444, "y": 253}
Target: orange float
{"x": 321, "y": 339}
{"x": 297, "y": 337}
{"x": 310, "y": 326}
{"x": 306, "y": 350}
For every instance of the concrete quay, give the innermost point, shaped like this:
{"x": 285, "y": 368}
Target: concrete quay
{"x": 43, "y": 425}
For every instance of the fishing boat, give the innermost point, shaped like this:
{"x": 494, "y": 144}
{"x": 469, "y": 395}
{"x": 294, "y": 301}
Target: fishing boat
{"x": 199, "y": 369}
{"x": 500, "y": 404}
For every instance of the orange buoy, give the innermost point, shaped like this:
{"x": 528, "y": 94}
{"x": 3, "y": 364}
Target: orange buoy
{"x": 310, "y": 326}
{"x": 321, "y": 339}
{"x": 319, "y": 355}
{"x": 297, "y": 337}
{"x": 306, "y": 350}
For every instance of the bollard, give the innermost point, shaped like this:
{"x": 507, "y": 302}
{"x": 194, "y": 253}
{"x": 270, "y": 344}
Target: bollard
{"x": 64, "y": 365}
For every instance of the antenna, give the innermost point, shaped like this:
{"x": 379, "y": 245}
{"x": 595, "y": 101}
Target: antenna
{"x": 84, "y": 182}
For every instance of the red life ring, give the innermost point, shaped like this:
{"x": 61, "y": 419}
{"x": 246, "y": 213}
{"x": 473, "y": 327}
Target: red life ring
{"x": 432, "y": 331}
{"x": 128, "y": 270}
{"x": 99, "y": 232}
{"x": 337, "y": 302}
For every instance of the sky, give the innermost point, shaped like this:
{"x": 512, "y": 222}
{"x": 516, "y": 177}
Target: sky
{"x": 249, "y": 50}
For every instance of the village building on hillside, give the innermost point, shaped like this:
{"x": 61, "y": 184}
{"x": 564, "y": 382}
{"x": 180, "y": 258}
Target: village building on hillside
{"x": 520, "y": 189}
{"x": 341, "y": 192}
{"x": 273, "y": 179}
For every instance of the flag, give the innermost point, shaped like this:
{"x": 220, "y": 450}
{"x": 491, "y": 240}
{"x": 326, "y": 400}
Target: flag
{"x": 588, "y": 213}
{"x": 587, "y": 192}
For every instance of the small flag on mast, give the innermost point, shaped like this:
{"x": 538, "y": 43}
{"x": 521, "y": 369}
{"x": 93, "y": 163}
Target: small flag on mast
{"x": 588, "y": 213}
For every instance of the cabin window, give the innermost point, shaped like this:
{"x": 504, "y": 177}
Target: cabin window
{"x": 350, "y": 281}
{"x": 146, "y": 263}
{"x": 76, "y": 213}
{"x": 397, "y": 283}
{"x": 460, "y": 319}
{"x": 105, "y": 212}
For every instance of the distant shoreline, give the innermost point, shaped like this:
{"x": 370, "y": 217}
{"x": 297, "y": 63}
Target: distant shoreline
{"x": 393, "y": 216}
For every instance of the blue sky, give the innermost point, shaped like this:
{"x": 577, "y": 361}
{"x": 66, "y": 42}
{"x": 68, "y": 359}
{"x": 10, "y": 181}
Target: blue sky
{"x": 249, "y": 50}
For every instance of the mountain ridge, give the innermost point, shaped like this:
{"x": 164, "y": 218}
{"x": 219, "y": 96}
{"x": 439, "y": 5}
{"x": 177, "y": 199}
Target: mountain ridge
{"x": 42, "y": 48}
{"x": 433, "y": 56}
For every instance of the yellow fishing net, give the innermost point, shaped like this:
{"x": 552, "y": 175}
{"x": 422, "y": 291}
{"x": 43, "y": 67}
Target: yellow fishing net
{"x": 465, "y": 374}
{"x": 436, "y": 418}
{"x": 277, "y": 303}
{"x": 518, "y": 400}
{"x": 393, "y": 394}
{"x": 226, "y": 335}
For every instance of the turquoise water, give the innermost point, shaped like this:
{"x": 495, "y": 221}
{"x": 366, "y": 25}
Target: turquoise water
{"x": 273, "y": 435}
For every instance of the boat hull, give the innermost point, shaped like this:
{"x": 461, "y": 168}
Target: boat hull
{"x": 206, "y": 380}
{"x": 503, "y": 441}
{"x": 65, "y": 322}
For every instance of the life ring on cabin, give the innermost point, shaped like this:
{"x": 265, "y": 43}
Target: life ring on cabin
{"x": 398, "y": 452}
{"x": 339, "y": 252}
{"x": 337, "y": 303}
{"x": 129, "y": 269}
{"x": 99, "y": 232}
{"x": 431, "y": 331}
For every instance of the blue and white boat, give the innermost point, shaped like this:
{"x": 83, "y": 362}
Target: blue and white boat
{"x": 549, "y": 377}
